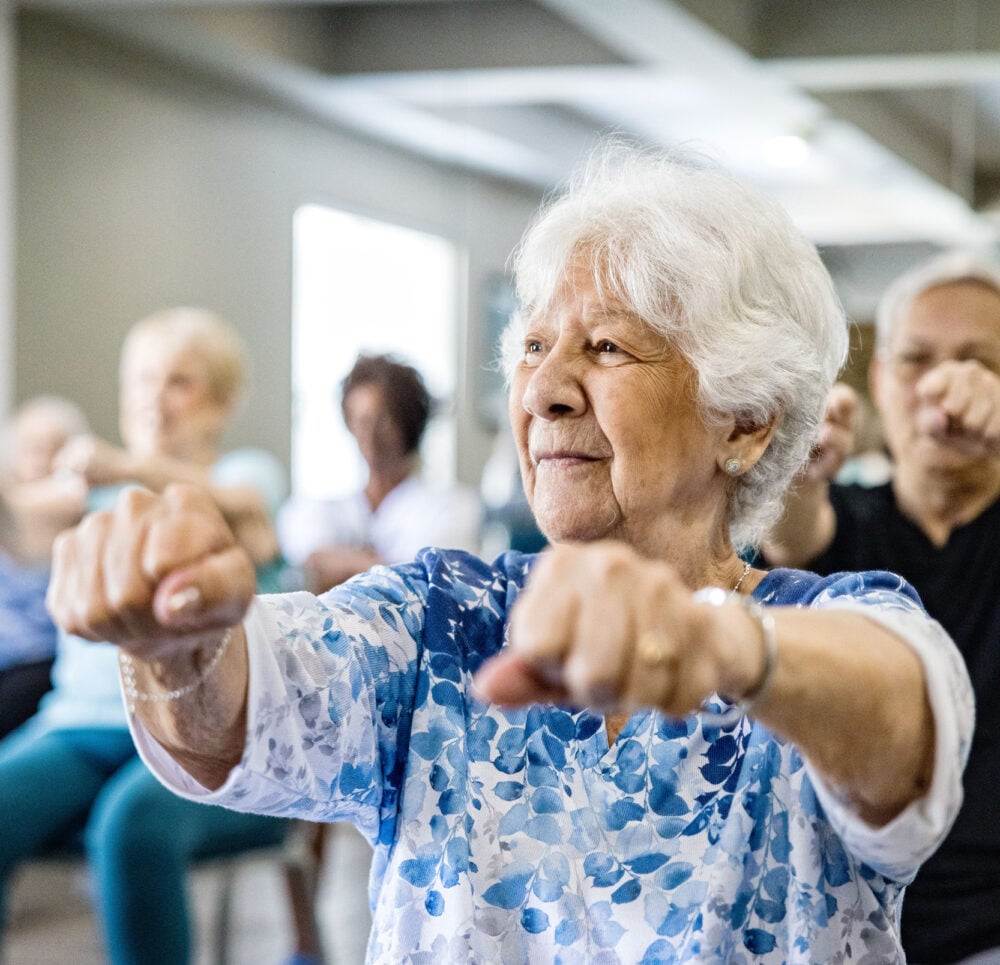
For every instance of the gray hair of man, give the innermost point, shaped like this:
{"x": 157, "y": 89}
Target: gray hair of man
{"x": 723, "y": 274}
{"x": 946, "y": 268}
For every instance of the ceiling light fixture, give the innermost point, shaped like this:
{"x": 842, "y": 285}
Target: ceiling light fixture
{"x": 786, "y": 151}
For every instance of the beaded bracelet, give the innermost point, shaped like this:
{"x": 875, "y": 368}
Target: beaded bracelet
{"x": 134, "y": 694}
{"x": 714, "y": 596}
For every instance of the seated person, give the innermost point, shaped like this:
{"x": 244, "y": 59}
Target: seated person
{"x": 180, "y": 377}
{"x": 386, "y": 407}
{"x": 35, "y": 505}
{"x": 935, "y": 379}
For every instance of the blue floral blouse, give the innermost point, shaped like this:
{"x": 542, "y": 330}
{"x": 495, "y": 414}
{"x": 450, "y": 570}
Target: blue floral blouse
{"x": 519, "y": 835}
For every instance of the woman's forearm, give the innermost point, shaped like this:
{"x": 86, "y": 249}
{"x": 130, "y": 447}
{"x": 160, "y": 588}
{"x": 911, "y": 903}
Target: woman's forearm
{"x": 194, "y": 708}
{"x": 163, "y": 577}
{"x": 853, "y": 697}
{"x": 242, "y": 505}
{"x": 599, "y": 626}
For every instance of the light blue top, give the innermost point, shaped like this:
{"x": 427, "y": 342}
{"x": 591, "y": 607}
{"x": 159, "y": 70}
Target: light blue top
{"x": 514, "y": 835}
{"x": 27, "y": 633}
{"x": 85, "y": 687}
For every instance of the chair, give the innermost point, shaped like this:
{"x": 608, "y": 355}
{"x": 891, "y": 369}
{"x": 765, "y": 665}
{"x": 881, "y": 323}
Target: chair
{"x": 293, "y": 857}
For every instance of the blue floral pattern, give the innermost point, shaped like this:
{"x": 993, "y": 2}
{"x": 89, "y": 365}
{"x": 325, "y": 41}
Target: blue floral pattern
{"x": 519, "y": 835}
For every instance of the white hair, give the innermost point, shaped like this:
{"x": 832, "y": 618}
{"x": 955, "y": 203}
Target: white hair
{"x": 721, "y": 272}
{"x": 946, "y": 268}
{"x": 59, "y": 412}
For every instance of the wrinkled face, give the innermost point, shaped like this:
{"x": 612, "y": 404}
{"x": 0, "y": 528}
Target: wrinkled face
{"x": 369, "y": 420}
{"x": 167, "y": 406}
{"x": 35, "y": 441}
{"x": 609, "y": 437}
{"x": 958, "y": 321}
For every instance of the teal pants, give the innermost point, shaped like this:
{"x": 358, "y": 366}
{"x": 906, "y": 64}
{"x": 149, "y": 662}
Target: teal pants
{"x": 87, "y": 789}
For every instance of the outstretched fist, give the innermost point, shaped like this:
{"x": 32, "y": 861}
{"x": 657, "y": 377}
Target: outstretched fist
{"x": 158, "y": 573}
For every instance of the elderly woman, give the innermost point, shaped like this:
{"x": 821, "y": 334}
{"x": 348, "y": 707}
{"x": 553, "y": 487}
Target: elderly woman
{"x": 182, "y": 374}
{"x": 180, "y": 378}
{"x": 35, "y": 506}
{"x": 386, "y": 408}
{"x": 634, "y": 747}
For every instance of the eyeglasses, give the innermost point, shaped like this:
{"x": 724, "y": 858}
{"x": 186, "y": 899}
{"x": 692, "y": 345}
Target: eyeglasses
{"x": 909, "y": 367}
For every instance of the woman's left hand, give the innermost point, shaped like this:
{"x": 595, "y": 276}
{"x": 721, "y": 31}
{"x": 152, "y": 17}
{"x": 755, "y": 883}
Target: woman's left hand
{"x": 600, "y": 626}
{"x": 97, "y": 461}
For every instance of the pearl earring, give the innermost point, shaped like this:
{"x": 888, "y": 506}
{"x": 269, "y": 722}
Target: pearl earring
{"x": 733, "y": 466}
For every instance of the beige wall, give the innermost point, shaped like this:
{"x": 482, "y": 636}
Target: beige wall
{"x": 7, "y": 72}
{"x": 139, "y": 187}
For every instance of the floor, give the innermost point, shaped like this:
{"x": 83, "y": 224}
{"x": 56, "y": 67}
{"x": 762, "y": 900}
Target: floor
{"x": 51, "y": 922}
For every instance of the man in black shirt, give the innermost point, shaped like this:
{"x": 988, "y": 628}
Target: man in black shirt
{"x": 935, "y": 379}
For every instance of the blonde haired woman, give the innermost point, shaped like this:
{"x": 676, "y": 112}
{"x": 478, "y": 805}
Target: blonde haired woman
{"x": 182, "y": 373}
{"x": 180, "y": 378}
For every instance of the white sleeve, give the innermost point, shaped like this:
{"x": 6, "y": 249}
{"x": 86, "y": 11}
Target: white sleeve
{"x": 898, "y": 848}
{"x": 305, "y": 525}
{"x": 265, "y": 681}
{"x": 458, "y": 527}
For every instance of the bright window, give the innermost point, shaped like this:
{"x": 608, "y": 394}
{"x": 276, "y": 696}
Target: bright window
{"x": 363, "y": 285}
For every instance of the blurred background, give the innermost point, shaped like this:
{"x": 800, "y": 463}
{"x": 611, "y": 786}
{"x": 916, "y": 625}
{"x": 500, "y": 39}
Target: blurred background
{"x": 288, "y": 164}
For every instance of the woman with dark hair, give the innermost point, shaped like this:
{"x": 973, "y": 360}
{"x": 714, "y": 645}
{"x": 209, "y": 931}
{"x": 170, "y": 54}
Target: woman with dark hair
{"x": 386, "y": 408}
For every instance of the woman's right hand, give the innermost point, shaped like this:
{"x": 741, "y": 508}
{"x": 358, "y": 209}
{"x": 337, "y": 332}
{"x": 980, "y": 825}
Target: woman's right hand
{"x": 332, "y": 565}
{"x": 160, "y": 574}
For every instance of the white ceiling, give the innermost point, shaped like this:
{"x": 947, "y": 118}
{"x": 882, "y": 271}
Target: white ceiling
{"x": 876, "y": 122}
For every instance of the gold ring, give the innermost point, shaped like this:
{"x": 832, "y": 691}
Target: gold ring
{"x": 652, "y": 649}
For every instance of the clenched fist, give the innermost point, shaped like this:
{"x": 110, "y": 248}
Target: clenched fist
{"x": 157, "y": 574}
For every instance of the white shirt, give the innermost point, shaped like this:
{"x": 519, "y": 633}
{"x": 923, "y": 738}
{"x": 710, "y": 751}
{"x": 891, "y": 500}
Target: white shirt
{"x": 415, "y": 514}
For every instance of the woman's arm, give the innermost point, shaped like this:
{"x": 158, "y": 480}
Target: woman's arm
{"x": 242, "y": 504}
{"x": 164, "y": 578}
{"x": 599, "y": 625}
{"x": 203, "y": 730}
{"x": 38, "y": 511}
{"x": 852, "y": 696}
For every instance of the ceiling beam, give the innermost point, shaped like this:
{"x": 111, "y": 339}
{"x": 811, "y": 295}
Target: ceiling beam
{"x": 509, "y": 86}
{"x": 331, "y": 99}
{"x": 887, "y": 72}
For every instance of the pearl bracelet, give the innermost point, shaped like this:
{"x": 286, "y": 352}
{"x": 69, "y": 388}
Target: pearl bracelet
{"x": 714, "y": 596}
{"x": 134, "y": 694}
